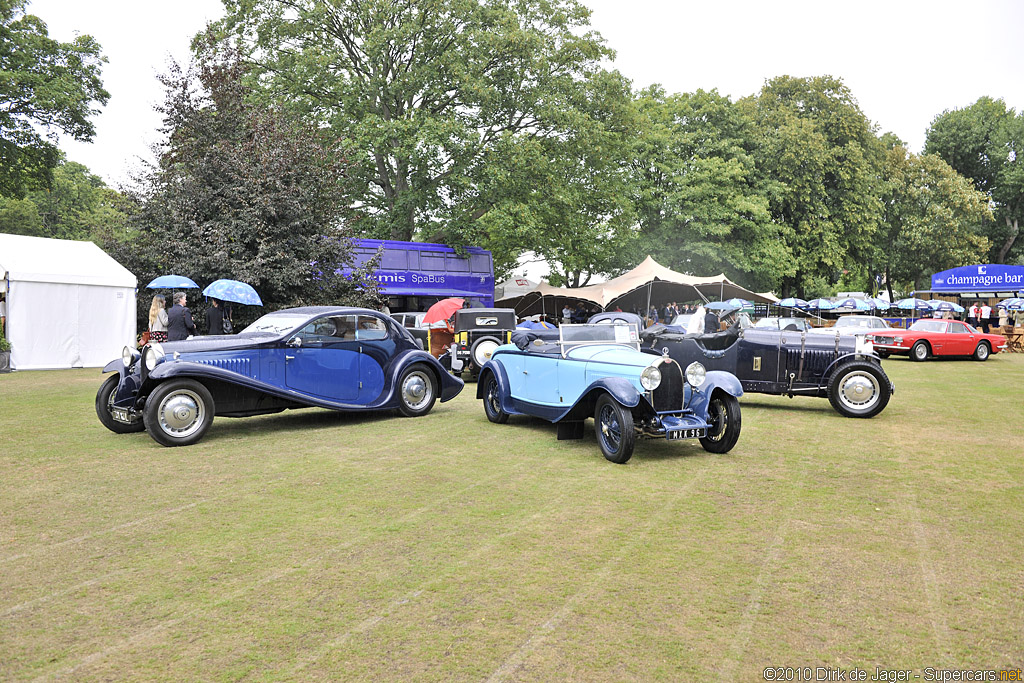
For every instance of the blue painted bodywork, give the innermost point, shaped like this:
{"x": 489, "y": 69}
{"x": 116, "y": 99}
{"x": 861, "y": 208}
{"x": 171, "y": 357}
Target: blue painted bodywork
{"x": 259, "y": 372}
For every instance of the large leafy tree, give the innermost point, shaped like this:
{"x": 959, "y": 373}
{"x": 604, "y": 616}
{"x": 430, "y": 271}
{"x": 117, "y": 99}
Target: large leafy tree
{"x": 985, "y": 142}
{"x": 931, "y": 218}
{"x": 702, "y": 203}
{"x": 822, "y": 152}
{"x": 46, "y": 87}
{"x": 439, "y": 98}
{"x": 245, "y": 193}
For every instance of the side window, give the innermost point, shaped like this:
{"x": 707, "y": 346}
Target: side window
{"x": 480, "y": 263}
{"x": 393, "y": 259}
{"x": 456, "y": 264}
{"x": 957, "y": 328}
{"x": 371, "y": 328}
{"x": 332, "y": 329}
{"x": 431, "y": 261}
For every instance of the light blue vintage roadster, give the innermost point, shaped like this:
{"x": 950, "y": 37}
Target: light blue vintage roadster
{"x": 598, "y": 370}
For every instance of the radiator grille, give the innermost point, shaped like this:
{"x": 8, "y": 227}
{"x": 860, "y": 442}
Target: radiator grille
{"x": 669, "y": 394}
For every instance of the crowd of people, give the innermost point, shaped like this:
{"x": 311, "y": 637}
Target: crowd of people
{"x": 176, "y": 323}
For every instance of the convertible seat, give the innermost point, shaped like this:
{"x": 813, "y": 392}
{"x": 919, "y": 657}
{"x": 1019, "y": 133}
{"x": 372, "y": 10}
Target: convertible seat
{"x": 524, "y": 338}
{"x": 719, "y": 341}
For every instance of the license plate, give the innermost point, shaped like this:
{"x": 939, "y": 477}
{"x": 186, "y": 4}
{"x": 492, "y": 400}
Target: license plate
{"x": 695, "y": 433}
{"x": 121, "y": 415}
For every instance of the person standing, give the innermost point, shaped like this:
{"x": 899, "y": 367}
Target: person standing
{"x": 972, "y": 315}
{"x": 3, "y": 313}
{"x": 566, "y": 313}
{"x": 710, "y": 322}
{"x": 158, "y": 319}
{"x": 214, "y": 318}
{"x": 179, "y": 319}
{"x": 983, "y": 316}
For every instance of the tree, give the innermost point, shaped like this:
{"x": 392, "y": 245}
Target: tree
{"x": 20, "y": 217}
{"x": 931, "y": 218}
{"x": 822, "y": 152}
{"x": 984, "y": 142}
{"x": 43, "y": 84}
{"x": 77, "y": 204}
{"x": 439, "y": 98}
{"x": 245, "y": 193}
{"x": 702, "y": 203}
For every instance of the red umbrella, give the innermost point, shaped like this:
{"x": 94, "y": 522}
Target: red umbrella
{"x": 442, "y": 310}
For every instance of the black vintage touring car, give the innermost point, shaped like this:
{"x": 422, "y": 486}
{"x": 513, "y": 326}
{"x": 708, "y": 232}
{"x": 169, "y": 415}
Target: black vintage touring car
{"x": 843, "y": 369}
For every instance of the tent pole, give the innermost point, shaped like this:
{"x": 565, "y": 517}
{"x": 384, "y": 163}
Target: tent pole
{"x": 650, "y": 286}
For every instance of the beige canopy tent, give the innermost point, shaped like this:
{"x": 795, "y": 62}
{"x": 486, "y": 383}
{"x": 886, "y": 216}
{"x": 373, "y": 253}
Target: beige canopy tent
{"x": 650, "y": 282}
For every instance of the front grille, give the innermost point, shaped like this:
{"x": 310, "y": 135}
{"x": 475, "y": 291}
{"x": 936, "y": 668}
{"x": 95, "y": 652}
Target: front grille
{"x": 885, "y": 340}
{"x": 670, "y": 393}
{"x": 815, "y": 362}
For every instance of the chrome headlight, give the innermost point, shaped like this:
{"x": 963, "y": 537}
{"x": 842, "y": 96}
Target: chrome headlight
{"x": 650, "y": 378}
{"x": 695, "y": 374}
{"x": 126, "y": 357}
{"x": 153, "y": 356}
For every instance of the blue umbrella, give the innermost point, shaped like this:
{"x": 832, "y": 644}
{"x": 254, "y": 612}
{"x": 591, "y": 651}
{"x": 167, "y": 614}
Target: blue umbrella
{"x": 880, "y": 304}
{"x": 1014, "y": 304}
{"x": 172, "y": 282}
{"x": 941, "y": 305}
{"x": 235, "y": 291}
{"x": 913, "y": 304}
{"x": 852, "y": 304}
{"x": 821, "y": 304}
{"x": 793, "y": 302}
{"x": 740, "y": 303}
{"x": 721, "y": 306}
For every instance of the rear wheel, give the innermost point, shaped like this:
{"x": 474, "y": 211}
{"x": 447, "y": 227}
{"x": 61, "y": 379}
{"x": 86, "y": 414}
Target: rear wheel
{"x": 982, "y": 352}
{"x": 725, "y": 419}
{"x": 859, "y": 389}
{"x": 614, "y": 427}
{"x": 919, "y": 351}
{"x": 492, "y": 400}
{"x": 178, "y": 412}
{"x": 417, "y": 390}
{"x": 105, "y": 401}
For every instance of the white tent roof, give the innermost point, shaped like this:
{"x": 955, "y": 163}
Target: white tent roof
{"x": 39, "y": 259}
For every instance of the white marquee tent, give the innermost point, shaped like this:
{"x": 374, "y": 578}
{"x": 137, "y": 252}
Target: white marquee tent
{"x": 69, "y": 304}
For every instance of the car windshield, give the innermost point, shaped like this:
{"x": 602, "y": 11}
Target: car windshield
{"x": 780, "y": 323}
{"x": 681, "y": 320}
{"x": 276, "y": 323}
{"x": 598, "y": 333}
{"x": 928, "y": 326}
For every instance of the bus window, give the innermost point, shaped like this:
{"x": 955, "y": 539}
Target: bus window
{"x": 393, "y": 259}
{"x": 414, "y": 260}
{"x": 480, "y": 263}
{"x": 431, "y": 261}
{"x": 361, "y": 256}
{"x": 456, "y": 264}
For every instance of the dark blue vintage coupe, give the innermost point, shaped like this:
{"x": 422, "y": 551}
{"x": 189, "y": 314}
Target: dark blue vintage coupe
{"x": 346, "y": 359}
{"x": 581, "y": 371}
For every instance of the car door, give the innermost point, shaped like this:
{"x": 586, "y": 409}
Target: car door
{"x": 961, "y": 340}
{"x": 541, "y": 378}
{"x": 322, "y": 359}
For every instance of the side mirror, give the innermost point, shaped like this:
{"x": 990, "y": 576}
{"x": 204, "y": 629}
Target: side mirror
{"x": 295, "y": 342}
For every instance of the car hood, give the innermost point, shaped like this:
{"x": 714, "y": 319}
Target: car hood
{"x": 612, "y": 353}
{"x": 217, "y": 342}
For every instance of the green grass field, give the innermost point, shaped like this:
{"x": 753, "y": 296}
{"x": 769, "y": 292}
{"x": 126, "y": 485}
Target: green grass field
{"x": 311, "y": 545}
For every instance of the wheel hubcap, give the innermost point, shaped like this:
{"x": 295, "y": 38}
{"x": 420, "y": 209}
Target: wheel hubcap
{"x": 414, "y": 390}
{"x": 181, "y": 413}
{"x": 859, "y": 390}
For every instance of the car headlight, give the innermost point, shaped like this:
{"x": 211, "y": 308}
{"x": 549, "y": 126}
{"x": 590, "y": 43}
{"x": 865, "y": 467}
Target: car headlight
{"x": 695, "y": 374}
{"x": 153, "y": 356}
{"x": 650, "y": 378}
{"x": 126, "y": 357}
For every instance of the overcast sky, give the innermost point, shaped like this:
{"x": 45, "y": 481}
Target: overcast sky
{"x": 905, "y": 61}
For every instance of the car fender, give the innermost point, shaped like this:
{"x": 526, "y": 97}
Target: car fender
{"x": 619, "y": 388}
{"x": 114, "y": 365}
{"x": 852, "y": 356}
{"x": 448, "y": 386}
{"x": 504, "y": 387}
{"x": 714, "y": 380}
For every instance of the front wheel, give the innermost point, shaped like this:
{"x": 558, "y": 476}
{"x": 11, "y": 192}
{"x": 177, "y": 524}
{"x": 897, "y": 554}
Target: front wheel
{"x": 919, "y": 352}
{"x": 882, "y": 354}
{"x": 492, "y": 401}
{"x": 417, "y": 391}
{"x": 614, "y": 427}
{"x": 105, "y": 401}
{"x": 858, "y": 389}
{"x": 178, "y": 412}
{"x": 724, "y": 416}
{"x": 982, "y": 352}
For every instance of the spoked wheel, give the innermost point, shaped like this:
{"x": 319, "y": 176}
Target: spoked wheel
{"x": 614, "y": 427}
{"x": 417, "y": 391}
{"x": 858, "y": 389}
{"x": 178, "y": 412}
{"x": 492, "y": 400}
{"x": 725, "y": 419}
{"x": 104, "y": 404}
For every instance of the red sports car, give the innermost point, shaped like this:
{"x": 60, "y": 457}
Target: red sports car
{"x": 929, "y": 337}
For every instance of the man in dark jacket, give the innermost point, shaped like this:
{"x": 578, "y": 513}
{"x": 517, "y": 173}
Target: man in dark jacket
{"x": 179, "y": 319}
{"x": 214, "y": 318}
{"x": 710, "y": 321}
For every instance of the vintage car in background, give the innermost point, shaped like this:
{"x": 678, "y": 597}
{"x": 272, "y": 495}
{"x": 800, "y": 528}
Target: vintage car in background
{"x": 413, "y": 322}
{"x": 478, "y": 331}
{"x": 787, "y": 324}
{"x": 854, "y": 326}
{"x": 346, "y": 359}
{"x": 930, "y": 338}
{"x": 785, "y": 362}
{"x": 579, "y": 371}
